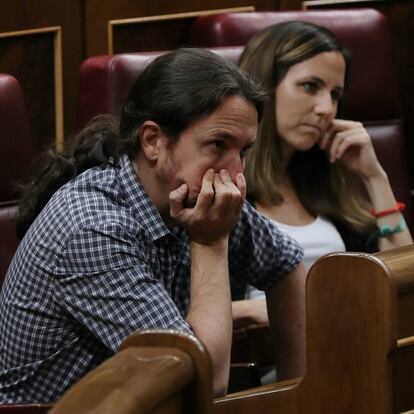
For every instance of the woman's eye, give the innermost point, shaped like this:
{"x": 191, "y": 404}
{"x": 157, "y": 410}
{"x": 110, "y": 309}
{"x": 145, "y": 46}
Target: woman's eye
{"x": 310, "y": 87}
{"x": 336, "y": 95}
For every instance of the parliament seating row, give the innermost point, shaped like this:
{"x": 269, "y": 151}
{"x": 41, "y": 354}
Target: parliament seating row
{"x": 360, "y": 353}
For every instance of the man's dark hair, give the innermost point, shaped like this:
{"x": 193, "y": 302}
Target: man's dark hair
{"x": 180, "y": 87}
{"x": 174, "y": 90}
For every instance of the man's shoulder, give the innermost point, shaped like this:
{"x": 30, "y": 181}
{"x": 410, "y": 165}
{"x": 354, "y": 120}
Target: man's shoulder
{"x": 93, "y": 198}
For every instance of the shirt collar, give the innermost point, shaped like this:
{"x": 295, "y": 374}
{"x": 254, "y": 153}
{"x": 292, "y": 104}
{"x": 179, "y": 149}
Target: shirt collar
{"x": 143, "y": 207}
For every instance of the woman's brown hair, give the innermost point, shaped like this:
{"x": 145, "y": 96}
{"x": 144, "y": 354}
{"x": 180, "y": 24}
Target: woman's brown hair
{"x": 323, "y": 188}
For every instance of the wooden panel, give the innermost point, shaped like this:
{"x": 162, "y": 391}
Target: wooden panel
{"x": 357, "y": 362}
{"x": 156, "y": 32}
{"x": 403, "y": 378}
{"x": 341, "y": 3}
{"x": 19, "y": 15}
{"x": 99, "y": 12}
{"x": 40, "y": 79}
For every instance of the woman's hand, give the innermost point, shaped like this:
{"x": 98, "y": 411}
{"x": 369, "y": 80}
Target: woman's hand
{"x": 349, "y": 142}
{"x": 249, "y": 312}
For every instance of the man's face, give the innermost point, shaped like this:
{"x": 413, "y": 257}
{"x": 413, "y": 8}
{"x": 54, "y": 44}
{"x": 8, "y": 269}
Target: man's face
{"x": 219, "y": 141}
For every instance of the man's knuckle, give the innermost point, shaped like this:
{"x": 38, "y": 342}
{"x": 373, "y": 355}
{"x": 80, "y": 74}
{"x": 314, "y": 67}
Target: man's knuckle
{"x": 206, "y": 193}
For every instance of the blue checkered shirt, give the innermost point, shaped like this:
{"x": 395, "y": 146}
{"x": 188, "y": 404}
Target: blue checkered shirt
{"x": 98, "y": 264}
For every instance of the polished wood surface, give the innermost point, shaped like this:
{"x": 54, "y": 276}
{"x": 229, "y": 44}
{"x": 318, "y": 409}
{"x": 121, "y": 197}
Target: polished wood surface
{"x": 35, "y": 57}
{"x": 143, "y": 33}
{"x": 131, "y": 380}
{"x": 199, "y": 394}
{"x": 25, "y": 408}
{"x": 155, "y": 371}
{"x": 99, "y": 12}
{"x": 359, "y": 348}
{"x": 38, "y": 78}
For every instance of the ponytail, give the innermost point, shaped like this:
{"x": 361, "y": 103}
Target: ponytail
{"x": 96, "y": 145}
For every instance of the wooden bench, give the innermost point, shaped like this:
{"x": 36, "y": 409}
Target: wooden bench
{"x": 360, "y": 350}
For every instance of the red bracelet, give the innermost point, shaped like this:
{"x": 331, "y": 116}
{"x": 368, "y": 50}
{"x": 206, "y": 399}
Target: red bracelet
{"x": 398, "y": 207}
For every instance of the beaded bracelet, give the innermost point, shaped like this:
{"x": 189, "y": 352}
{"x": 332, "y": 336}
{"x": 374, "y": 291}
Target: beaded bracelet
{"x": 398, "y": 207}
{"x": 385, "y": 230}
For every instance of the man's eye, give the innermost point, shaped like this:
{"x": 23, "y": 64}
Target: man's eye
{"x": 220, "y": 145}
{"x": 245, "y": 151}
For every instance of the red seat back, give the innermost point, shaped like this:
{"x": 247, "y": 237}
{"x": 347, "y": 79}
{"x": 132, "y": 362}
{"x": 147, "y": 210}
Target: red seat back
{"x": 17, "y": 151}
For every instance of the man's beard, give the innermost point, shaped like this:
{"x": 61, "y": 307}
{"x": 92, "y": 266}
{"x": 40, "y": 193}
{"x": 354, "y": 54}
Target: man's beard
{"x": 189, "y": 202}
{"x": 168, "y": 175}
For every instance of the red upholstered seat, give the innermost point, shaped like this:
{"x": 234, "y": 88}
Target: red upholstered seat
{"x": 16, "y": 144}
{"x": 15, "y": 157}
{"x": 104, "y": 80}
{"x": 372, "y": 92}
{"x": 8, "y": 238}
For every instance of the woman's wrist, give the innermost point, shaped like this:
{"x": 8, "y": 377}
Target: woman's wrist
{"x": 380, "y": 192}
{"x": 249, "y": 312}
{"x": 379, "y": 178}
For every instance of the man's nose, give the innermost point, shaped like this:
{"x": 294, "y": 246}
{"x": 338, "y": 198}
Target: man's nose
{"x": 234, "y": 165}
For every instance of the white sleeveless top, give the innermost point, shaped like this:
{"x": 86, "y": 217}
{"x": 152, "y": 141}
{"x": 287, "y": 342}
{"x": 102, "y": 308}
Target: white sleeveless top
{"x": 317, "y": 238}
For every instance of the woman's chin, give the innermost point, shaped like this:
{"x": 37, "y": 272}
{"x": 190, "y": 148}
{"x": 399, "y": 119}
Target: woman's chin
{"x": 306, "y": 146}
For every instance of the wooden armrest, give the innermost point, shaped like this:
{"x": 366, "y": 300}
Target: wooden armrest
{"x": 253, "y": 344}
{"x": 154, "y": 372}
{"x": 128, "y": 380}
{"x": 243, "y": 376}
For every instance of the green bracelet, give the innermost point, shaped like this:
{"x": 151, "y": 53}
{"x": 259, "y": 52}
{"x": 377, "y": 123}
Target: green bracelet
{"x": 386, "y": 230}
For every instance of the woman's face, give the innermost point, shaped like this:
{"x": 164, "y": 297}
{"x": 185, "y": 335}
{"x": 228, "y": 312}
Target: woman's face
{"x": 307, "y": 100}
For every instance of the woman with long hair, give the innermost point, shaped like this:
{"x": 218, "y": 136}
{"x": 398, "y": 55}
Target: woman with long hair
{"x": 315, "y": 175}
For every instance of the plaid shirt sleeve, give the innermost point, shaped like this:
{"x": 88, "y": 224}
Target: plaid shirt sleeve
{"x": 261, "y": 254}
{"x": 105, "y": 280}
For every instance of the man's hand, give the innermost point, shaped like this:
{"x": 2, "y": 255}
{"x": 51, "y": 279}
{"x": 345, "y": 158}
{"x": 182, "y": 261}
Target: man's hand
{"x": 217, "y": 208}
{"x": 208, "y": 224}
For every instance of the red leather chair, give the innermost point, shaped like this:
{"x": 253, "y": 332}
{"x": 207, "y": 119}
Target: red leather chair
{"x": 372, "y": 96}
{"x": 8, "y": 237}
{"x": 15, "y": 156}
{"x": 17, "y": 151}
{"x": 105, "y": 80}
